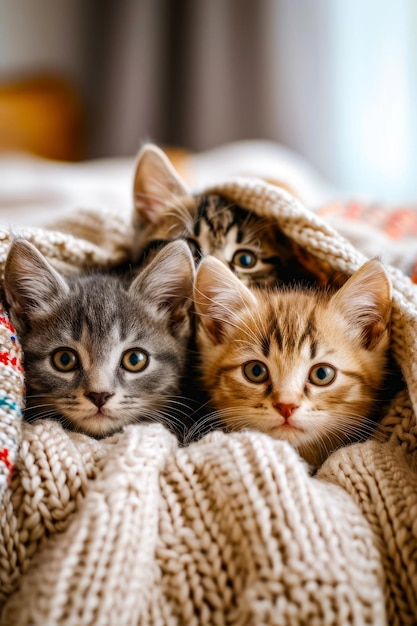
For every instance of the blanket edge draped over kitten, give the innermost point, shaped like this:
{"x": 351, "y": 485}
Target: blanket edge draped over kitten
{"x": 231, "y": 529}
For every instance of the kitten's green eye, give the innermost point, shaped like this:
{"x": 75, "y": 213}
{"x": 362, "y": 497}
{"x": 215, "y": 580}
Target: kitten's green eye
{"x": 256, "y": 371}
{"x": 134, "y": 360}
{"x": 244, "y": 259}
{"x": 65, "y": 360}
{"x": 322, "y": 374}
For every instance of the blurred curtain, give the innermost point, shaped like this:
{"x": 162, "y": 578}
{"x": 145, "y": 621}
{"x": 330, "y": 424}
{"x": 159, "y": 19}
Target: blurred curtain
{"x": 335, "y": 81}
{"x": 183, "y": 72}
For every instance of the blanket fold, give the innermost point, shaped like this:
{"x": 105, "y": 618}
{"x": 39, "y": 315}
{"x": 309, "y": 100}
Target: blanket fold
{"x": 231, "y": 529}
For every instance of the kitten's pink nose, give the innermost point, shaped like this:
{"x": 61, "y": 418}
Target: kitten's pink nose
{"x": 286, "y": 410}
{"x": 99, "y": 398}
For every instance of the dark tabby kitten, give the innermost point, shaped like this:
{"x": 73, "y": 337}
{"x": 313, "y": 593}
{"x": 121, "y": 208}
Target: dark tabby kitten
{"x": 307, "y": 366}
{"x": 101, "y": 352}
{"x": 252, "y": 247}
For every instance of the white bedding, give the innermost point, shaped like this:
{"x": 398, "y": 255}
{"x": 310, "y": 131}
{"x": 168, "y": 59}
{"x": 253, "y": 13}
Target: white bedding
{"x": 37, "y": 192}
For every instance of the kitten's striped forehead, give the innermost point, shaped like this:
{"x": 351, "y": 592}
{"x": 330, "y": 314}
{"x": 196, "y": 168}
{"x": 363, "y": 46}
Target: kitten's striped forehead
{"x": 220, "y": 217}
{"x": 289, "y": 324}
{"x": 96, "y": 318}
{"x": 101, "y": 345}
{"x": 100, "y": 319}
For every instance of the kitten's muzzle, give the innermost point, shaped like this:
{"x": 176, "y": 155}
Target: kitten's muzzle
{"x": 286, "y": 410}
{"x": 99, "y": 398}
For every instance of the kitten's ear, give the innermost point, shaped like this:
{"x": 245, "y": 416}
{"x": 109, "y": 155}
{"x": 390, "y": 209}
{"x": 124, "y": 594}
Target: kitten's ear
{"x": 219, "y": 297}
{"x": 365, "y": 301}
{"x": 167, "y": 282}
{"x": 31, "y": 284}
{"x": 156, "y": 184}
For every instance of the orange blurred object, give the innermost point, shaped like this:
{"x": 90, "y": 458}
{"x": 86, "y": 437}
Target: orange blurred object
{"x": 42, "y": 115}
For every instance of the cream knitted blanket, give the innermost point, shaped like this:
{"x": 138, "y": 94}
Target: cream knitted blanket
{"x": 229, "y": 530}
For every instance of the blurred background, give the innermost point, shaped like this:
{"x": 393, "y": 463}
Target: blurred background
{"x": 332, "y": 80}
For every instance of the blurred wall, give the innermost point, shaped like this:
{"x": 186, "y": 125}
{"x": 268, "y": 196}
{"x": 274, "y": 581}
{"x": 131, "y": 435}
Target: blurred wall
{"x": 335, "y": 81}
{"x": 345, "y": 90}
{"x": 45, "y": 34}
{"x": 188, "y": 72}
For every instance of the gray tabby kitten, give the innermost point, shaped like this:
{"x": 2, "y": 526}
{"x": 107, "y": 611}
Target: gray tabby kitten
{"x": 101, "y": 352}
{"x": 255, "y": 249}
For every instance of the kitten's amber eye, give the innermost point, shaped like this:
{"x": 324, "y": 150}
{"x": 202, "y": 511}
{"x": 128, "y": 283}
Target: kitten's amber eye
{"x": 134, "y": 360}
{"x": 322, "y": 374}
{"x": 256, "y": 371}
{"x": 65, "y": 360}
{"x": 244, "y": 259}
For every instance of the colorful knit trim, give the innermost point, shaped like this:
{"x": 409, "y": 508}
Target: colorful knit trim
{"x": 11, "y": 400}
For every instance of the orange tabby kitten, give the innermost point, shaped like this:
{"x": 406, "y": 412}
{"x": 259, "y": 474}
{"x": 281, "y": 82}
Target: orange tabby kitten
{"x": 304, "y": 366}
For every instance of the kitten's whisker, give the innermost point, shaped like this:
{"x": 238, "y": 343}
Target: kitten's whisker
{"x": 227, "y": 417}
{"x": 238, "y": 325}
{"x": 199, "y": 427}
{"x": 35, "y": 395}
{"x": 164, "y": 415}
{"x": 174, "y": 402}
{"x": 354, "y": 424}
{"x": 42, "y": 415}
{"x": 200, "y": 407}
{"x": 317, "y": 441}
{"x": 33, "y": 407}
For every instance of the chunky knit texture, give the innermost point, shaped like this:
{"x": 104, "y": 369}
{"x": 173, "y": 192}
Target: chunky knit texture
{"x": 229, "y": 530}
{"x": 11, "y": 398}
